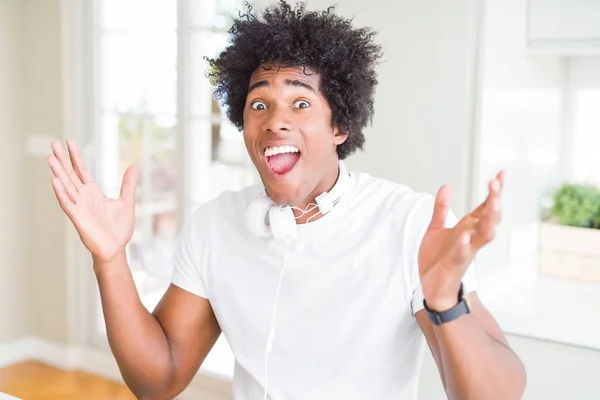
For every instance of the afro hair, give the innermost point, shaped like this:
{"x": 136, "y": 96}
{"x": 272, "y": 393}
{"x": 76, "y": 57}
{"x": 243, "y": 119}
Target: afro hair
{"x": 344, "y": 57}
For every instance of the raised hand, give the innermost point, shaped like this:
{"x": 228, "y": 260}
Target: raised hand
{"x": 104, "y": 225}
{"x": 445, "y": 253}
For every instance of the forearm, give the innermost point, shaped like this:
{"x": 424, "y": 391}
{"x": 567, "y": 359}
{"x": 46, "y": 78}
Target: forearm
{"x": 136, "y": 339}
{"x": 475, "y": 365}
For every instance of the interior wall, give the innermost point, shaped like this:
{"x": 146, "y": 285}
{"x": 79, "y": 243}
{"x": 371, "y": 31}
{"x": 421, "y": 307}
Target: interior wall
{"x": 44, "y": 222}
{"x": 13, "y": 273}
{"x": 579, "y": 155}
{"x": 585, "y": 71}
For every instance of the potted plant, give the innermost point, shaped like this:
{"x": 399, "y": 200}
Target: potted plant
{"x": 570, "y": 238}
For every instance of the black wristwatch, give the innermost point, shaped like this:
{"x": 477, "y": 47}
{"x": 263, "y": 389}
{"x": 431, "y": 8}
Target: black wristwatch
{"x": 439, "y": 318}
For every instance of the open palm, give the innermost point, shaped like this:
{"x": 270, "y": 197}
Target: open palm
{"x": 105, "y": 225}
{"x": 445, "y": 253}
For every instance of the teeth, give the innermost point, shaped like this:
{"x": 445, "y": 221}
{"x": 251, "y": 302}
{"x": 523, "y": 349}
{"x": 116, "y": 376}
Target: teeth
{"x": 271, "y": 151}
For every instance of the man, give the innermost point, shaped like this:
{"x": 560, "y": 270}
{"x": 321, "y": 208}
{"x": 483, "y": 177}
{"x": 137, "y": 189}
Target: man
{"x": 323, "y": 281}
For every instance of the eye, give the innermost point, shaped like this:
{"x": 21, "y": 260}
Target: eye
{"x": 301, "y": 104}
{"x": 258, "y": 105}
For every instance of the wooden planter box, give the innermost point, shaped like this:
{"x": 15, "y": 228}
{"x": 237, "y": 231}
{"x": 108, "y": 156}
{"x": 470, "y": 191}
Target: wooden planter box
{"x": 570, "y": 252}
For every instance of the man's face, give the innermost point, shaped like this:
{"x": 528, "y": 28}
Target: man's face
{"x": 288, "y": 134}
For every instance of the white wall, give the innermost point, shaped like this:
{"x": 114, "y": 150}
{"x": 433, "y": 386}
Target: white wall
{"x": 560, "y": 20}
{"x": 584, "y": 71}
{"x": 423, "y": 131}
{"x": 32, "y": 228}
{"x": 581, "y": 163}
{"x": 13, "y": 315}
{"x": 44, "y": 221}
{"x": 520, "y": 124}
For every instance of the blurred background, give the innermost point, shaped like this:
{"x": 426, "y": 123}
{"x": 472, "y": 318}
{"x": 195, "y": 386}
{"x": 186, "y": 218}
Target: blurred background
{"x": 467, "y": 87}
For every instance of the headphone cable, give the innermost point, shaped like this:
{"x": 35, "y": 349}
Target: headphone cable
{"x": 271, "y": 333}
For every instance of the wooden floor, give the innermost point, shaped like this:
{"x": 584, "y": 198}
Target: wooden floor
{"x": 35, "y": 381}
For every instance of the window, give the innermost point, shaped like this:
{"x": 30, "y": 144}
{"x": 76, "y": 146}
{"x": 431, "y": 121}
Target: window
{"x": 137, "y": 114}
{"x": 153, "y": 107}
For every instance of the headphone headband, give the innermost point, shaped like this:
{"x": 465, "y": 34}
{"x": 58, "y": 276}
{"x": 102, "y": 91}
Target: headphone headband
{"x": 265, "y": 217}
{"x": 326, "y": 201}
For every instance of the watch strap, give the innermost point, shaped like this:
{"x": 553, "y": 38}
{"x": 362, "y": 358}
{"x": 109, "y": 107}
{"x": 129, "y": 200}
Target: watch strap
{"x": 442, "y": 317}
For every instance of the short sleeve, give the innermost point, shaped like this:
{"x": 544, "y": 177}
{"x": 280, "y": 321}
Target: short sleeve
{"x": 421, "y": 219}
{"x": 190, "y": 251}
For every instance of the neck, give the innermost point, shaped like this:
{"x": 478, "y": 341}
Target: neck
{"x": 309, "y": 205}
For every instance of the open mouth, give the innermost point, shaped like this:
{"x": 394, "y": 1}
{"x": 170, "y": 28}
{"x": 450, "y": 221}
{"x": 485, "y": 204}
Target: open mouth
{"x": 282, "y": 159}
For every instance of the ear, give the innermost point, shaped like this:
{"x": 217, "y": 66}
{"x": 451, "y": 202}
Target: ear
{"x": 338, "y": 136}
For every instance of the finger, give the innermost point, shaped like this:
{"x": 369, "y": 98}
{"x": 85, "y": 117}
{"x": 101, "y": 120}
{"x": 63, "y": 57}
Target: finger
{"x": 129, "y": 184}
{"x": 478, "y": 212}
{"x": 441, "y": 207}
{"x": 60, "y": 154}
{"x": 501, "y": 175}
{"x": 486, "y": 229}
{"x": 63, "y": 198}
{"x": 493, "y": 201}
{"x": 78, "y": 164}
{"x": 494, "y": 190}
{"x": 61, "y": 175}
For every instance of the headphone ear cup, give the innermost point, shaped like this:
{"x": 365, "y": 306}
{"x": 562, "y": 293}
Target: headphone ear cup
{"x": 283, "y": 223}
{"x": 257, "y": 216}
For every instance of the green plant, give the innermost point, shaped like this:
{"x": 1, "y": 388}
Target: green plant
{"x": 577, "y": 205}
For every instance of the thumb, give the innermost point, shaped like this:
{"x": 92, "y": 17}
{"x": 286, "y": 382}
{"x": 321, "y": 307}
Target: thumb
{"x": 441, "y": 207}
{"x": 129, "y": 184}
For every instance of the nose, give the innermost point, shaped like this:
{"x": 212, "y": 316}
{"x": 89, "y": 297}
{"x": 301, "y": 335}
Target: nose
{"x": 278, "y": 120}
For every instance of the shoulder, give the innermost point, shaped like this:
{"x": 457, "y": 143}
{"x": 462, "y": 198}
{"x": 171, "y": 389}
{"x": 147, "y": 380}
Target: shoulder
{"x": 394, "y": 200}
{"x": 228, "y": 206}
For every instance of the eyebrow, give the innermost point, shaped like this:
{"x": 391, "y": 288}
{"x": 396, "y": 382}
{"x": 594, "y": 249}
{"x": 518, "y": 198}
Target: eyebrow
{"x": 290, "y": 82}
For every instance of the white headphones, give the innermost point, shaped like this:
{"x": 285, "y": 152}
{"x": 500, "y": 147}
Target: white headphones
{"x": 266, "y": 218}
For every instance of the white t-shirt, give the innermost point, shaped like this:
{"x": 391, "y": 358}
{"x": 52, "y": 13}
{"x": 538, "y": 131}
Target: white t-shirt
{"x": 345, "y": 325}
